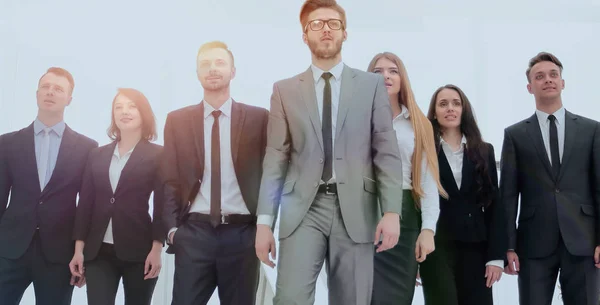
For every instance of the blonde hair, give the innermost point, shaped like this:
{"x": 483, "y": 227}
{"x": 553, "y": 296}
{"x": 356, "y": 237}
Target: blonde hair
{"x": 216, "y": 45}
{"x": 424, "y": 141}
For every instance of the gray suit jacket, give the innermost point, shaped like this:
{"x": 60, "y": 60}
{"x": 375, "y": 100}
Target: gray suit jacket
{"x": 366, "y": 155}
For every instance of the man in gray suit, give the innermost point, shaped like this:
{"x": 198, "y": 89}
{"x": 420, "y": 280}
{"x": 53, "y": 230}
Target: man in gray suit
{"x": 331, "y": 152}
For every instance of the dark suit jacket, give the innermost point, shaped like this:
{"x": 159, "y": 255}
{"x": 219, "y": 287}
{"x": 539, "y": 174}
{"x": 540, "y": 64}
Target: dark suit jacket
{"x": 133, "y": 230}
{"x": 52, "y": 210}
{"x": 567, "y": 205}
{"x": 183, "y": 162}
{"x": 462, "y": 216}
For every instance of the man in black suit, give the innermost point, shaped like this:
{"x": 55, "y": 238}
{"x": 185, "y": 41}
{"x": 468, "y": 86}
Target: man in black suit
{"x": 213, "y": 156}
{"x": 41, "y": 168}
{"x": 552, "y": 160}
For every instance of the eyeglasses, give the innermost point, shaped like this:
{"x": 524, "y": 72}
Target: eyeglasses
{"x": 318, "y": 24}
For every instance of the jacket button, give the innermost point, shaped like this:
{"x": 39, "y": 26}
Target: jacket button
{"x": 320, "y": 160}
{"x": 557, "y": 191}
{"x": 112, "y": 200}
{"x": 41, "y": 202}
{"x": 469, "y": 214}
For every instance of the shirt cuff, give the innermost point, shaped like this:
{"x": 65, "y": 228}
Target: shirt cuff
{"x": 173, "y": 229}
{"x": 498, "y": 263}
{"x": 266, "y": 220}
{"x": 429, "y": 225}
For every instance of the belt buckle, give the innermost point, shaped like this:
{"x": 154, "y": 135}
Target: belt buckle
{"x": 327, "y": 189}
{"x": 223, "y": 221}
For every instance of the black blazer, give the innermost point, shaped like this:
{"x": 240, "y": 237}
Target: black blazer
{"x": 133, "y": 230}
{"x": 183, "y": 162}
{"x": 52, "y": 210}
{"x": 567, "y": 205}
{"x": 465, "y": 219}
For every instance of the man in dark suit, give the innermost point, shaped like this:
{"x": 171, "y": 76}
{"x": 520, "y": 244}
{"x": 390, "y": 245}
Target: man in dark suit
{"x": 213, "y": 165}
{"x": 41, "y": 168}
{"x": 552, "y": 160}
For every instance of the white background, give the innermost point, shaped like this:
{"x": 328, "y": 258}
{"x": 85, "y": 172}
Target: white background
{"x": 150, "y": 45}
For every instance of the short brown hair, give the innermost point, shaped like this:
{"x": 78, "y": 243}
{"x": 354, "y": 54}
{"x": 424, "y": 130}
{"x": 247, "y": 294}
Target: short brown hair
{"x": 310, "y": 6}
{"x": 540, "y": 57}
{"x": 60, "y": 72}
{"x": 216, "y": 45}
{"x": 143, "y": 106}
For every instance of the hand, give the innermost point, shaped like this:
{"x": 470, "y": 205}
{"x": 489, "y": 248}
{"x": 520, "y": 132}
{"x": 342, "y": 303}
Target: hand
{"x": 425, "y": 245}
{"x": 389, "y": 229}
{"x": 417, "y": 281}
{"x": 153, "y": 264}
{"x": 77, "y": 281}
{"x": 265, "y": 244}
{"x": 513, "y": 263}
{"x": 493, "y": 274}
{"x": 76, "y": 265}
{"x": 597, "y": 257}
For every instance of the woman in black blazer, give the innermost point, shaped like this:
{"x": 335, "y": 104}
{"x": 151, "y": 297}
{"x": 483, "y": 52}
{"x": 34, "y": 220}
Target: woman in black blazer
{"x": 115, "y": 236}
{"x": 471, "y": 240}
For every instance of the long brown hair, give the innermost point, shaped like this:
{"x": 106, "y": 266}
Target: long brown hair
{"x": 424, "y": 141}
{"x": 477, "y": 150}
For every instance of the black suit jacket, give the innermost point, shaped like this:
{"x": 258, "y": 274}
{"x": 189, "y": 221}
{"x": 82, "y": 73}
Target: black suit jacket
{"x": 52, "y": 210}
{"x": 133, "y": 230}
{"x": 567, "y": 205}
{"x": 183, "y": 162}
{"x": 462, "y": 216}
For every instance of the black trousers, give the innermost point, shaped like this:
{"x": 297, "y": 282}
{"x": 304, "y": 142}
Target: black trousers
{"x": 207, "y": 257}
{"x": 396, "y": 269}
{"x": 454, "y": 274}
{"x": 104, "y": 273}
{"x": 51, "y": 282}
{"x": 578, "y": 279}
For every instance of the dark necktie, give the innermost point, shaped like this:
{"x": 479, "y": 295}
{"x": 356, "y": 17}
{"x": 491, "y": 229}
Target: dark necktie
{"x": 554, "y": 152}
{"x": 215, "y": 171}
{"x": 326, "y": 128}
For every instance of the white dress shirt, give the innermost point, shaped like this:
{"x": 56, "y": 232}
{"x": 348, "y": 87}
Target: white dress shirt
{"x": 232, "y": 201}
{"x": 117, "y": 163}
{"x": 545, "y": 129}
{"x": 336, "y": 84}
{"x": 455, "y": 159}
{"x": 430, "y": 202}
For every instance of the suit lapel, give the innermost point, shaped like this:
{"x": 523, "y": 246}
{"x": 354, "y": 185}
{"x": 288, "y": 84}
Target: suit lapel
{"x": 467, "y": 172}
{"x": 346, "y": 94}
{"x": 309, "y": 95}
{"x": 446, "y": 172}
{"x": 570, "y": 134}
{"x": 238, "y": 116}
{"x": 67, "y": 147}
{"x": 28, "y": 149}
{"x": 139, "y": 153}
{"x": 104, "y": 166}
{"x": 533, "y": 129}
{"x": 198, "y": 131}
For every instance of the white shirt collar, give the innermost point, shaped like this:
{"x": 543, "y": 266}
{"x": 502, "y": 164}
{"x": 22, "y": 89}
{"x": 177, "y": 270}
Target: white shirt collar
{"x": 59, "y": 128}
{"x": 559, "y": 114}
{"x": 225, "y": 108}
{"x": 116, "y": 151}
{"x": 336, "y": 71}
{"x": 403, "y": 113}
{"x": 463, "y": 141}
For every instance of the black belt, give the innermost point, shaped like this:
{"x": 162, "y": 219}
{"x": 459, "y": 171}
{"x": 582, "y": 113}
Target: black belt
{"x": 329, "y": 189}
{"x": 225, "y": 219}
